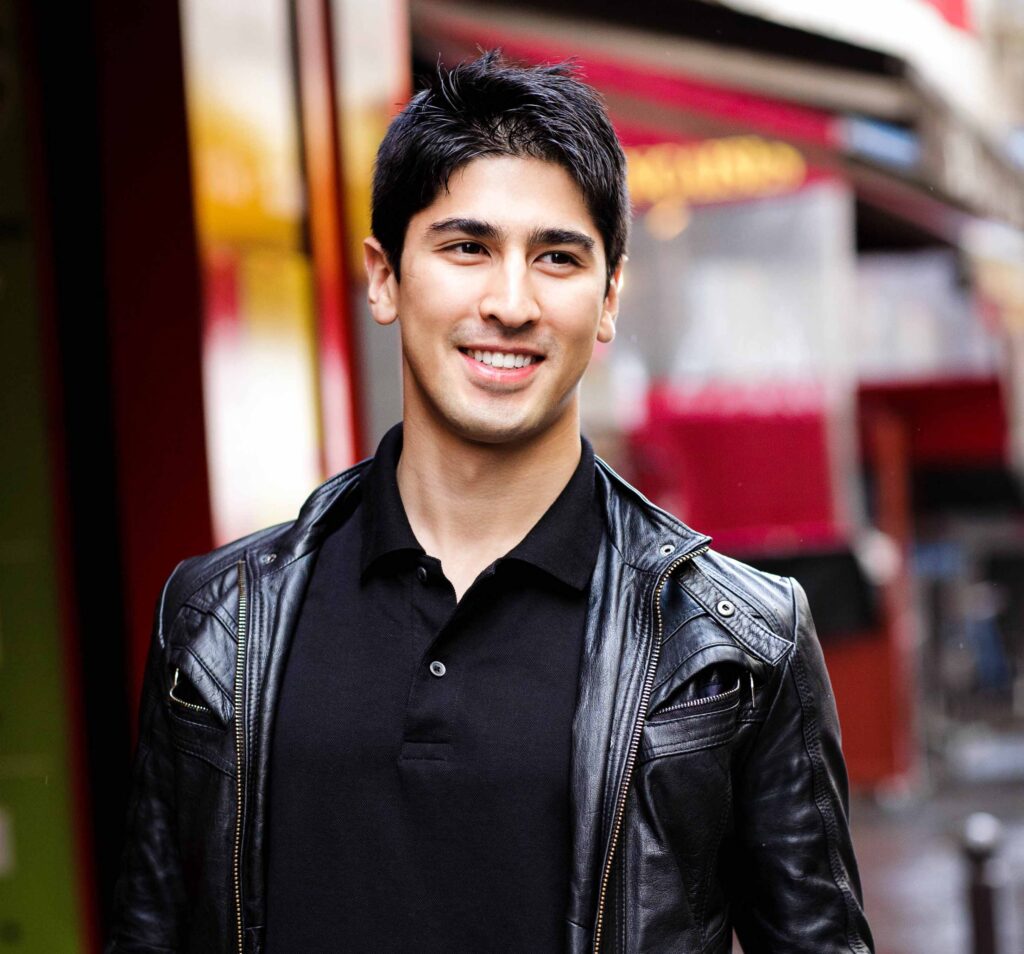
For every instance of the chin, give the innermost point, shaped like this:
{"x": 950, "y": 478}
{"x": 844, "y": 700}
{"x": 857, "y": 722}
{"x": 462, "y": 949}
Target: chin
{"x": 493, "y": 433}
{"x": 482, "y": 430}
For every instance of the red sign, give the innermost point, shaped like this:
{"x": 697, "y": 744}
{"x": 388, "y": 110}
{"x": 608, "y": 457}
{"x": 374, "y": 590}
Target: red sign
{"x": 955, "y": 12}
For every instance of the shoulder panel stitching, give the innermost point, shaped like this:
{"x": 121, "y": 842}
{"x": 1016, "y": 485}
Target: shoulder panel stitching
{"x": 217, "y": 612}
{"x": 753, "y": 623}
{"x": 743, "y": 592}
{"x": 208, "y": 672}
{"x": 682, "y": 662}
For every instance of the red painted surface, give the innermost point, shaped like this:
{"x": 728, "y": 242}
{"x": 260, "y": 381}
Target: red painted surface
{"x": 342, "y": 440}
{"x": 953, "y": 422}
{"x": 220, "y": 291}
{"x": 155, "y": 307}
{"x": 896, "y": 656}
{"x": 753, "y": 478}
{"x": 955, "y": 12}
{"x": 862, "y": 682}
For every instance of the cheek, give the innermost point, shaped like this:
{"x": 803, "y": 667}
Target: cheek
{"x": 579, "y": 302}
{"x": 440, "y": 311}
{"x": 576, "y": 325}
{"x": 447, "y": 290}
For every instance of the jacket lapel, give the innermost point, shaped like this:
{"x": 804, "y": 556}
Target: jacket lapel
{"x": 615, "y": 653}
{"x": 640, "y": 544}
{"x": 279, "y": 571}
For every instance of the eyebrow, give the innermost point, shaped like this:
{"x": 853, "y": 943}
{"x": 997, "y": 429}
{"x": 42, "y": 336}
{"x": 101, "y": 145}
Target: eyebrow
{"x": 562, "y": 237}
{"x": 472, "y": 227}
{"x": 486, "y": 231}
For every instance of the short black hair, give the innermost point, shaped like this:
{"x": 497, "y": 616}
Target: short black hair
{"x": 490, "y": 107}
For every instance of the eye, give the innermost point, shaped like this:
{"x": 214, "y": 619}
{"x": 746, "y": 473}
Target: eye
{"x": 466, "y": 248}
{"x": 559, "y": 258}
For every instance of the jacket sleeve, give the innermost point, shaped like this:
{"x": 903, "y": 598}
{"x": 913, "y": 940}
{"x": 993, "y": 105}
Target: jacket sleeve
{"x": 148, "y": 897}
{"x": 796, "y": 887}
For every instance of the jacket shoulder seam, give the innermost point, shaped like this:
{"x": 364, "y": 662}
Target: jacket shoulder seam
{"x": 207, "y": 567}
{"x": 214, "y": 610}
{"x": 732, "y": 584}
{"x": 209, "y": 672}
{"x": 739, "y": 620}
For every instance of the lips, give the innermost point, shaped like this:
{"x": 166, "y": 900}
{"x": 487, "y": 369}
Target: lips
{"x": 502, "y": 359}
{"x": 503, "y": 364}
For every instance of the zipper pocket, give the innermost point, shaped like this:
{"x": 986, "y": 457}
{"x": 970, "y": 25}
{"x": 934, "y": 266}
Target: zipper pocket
{"x": 704, "y": 700}
{"x": 195, "y": 707}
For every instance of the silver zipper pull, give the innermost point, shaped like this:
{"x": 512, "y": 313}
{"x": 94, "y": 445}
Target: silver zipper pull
{"x": 752, "y": 700}
{"x": 179, "y": 700}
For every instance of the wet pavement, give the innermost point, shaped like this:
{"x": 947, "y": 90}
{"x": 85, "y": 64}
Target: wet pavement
{"x": 914, "y": 874}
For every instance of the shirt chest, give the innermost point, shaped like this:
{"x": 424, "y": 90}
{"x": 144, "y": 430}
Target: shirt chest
{"x": 386, "y": 667}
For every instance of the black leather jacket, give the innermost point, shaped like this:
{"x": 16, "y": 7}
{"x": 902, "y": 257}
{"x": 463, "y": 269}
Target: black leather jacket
{"x": 708, "y": 787}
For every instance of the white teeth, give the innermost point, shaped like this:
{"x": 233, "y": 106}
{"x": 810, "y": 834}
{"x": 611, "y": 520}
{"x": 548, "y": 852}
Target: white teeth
{"x": 503, "y": 359}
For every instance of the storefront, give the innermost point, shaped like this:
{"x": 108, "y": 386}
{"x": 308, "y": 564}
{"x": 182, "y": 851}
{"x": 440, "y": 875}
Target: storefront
{"x": 796, "y": 248}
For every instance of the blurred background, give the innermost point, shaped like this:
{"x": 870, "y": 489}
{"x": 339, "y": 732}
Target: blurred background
{"x": 820, "y": 361}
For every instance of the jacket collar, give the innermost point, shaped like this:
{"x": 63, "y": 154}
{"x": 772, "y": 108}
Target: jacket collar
{"x": 645, "y": 536}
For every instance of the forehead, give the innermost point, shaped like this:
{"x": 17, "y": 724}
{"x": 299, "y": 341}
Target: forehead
{"x": 511, "y": 192}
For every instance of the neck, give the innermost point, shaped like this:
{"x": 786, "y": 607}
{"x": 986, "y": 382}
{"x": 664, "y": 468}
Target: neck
{"x": 470, "y": 503}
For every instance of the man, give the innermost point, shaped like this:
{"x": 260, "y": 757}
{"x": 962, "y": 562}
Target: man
{"x": 481, "y": 695}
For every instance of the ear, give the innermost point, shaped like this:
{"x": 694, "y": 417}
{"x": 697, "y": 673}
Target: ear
{"x": 610, "y": 308}
{"x": 382, "y": 286}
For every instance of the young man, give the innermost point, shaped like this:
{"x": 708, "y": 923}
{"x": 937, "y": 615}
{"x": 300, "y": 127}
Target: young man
{"x": 481, "y": 695}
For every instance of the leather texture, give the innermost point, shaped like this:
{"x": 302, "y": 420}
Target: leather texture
{"x": 708, "y": 788}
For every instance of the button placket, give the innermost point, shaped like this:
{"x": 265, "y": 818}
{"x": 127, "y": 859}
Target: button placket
{"x": 431, "y": 705}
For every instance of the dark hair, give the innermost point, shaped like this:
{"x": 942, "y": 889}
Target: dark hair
{"x": 489, "y": 107}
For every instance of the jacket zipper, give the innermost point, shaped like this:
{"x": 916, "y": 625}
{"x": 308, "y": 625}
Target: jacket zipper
{"x": 243, "y": 613}
{"x": 634, "y": 742}
{"x": 705, "y": 700}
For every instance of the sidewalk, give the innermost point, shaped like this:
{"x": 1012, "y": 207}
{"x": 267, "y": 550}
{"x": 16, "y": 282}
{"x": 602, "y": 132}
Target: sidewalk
{"x": 915, "y": 879}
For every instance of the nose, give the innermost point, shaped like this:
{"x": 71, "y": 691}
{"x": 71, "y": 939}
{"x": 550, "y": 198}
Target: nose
{"x": 510, "y": 297}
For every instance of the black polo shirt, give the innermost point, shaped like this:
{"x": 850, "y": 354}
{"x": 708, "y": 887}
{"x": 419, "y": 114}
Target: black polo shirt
{"x": 419, "y": 787}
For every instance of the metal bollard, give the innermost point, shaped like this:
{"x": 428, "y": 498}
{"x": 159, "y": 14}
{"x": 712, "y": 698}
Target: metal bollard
{"x": 982, "y": 837}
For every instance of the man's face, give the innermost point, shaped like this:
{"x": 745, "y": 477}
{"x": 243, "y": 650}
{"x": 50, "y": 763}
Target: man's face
{"x": 501, "y": 300}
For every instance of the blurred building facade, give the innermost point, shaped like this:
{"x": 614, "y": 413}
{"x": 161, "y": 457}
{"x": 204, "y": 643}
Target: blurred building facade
{"x": 820, "y": 358}
{"x": 815, "y": 362}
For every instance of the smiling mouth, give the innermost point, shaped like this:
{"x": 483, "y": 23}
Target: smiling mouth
{"x": 502, "y": 360}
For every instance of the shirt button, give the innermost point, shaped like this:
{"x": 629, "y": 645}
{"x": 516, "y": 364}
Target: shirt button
{"x": 421, "y": 574}
{"x": 437, "y": 668}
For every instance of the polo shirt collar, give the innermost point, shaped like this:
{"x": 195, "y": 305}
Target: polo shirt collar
{"x": 563, "y": 543}
{"x": 386, "y": 528}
